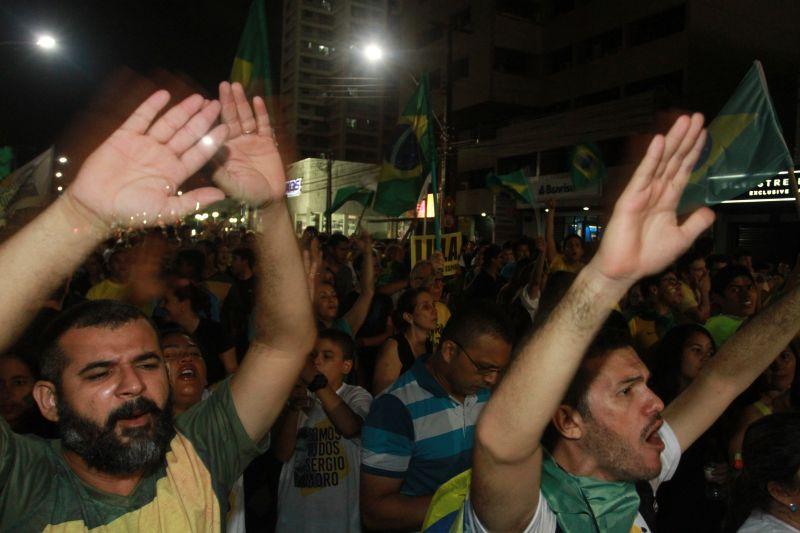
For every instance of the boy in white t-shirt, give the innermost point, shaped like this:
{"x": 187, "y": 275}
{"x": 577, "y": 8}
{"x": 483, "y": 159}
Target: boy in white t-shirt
{"x": 318, "y": 440}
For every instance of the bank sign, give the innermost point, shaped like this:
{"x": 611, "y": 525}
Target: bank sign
{"x": 294, "y": 187}
{"x": 560, "y": 187}
{"x": 775, "y": 189}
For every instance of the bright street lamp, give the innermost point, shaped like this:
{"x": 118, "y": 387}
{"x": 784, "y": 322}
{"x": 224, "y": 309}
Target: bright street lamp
{"x": 373, "y": 53}
{"x": 63, "y": 159}
{"x": 46, "y": 41}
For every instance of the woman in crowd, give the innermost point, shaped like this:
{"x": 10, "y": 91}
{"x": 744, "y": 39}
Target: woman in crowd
{"x": 693, "y": 500}
{"x": 414, "y": 319}
{"x": 767, "y": 494}
{"x": 778, "y": 391}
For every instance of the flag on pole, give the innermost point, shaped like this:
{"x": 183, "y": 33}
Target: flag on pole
{"x": 516, "y": 183}
{"x": 251, "y": 64}
{"x": 409, "y": 158}
{"x": 352, "y": 193}
{"x": 6, "y": 159}
{"x": 586, "y": 166}
{"x": 744, "y": 145}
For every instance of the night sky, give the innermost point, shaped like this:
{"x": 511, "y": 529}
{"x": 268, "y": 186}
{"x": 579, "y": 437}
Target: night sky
{"x": 42, "y": 92}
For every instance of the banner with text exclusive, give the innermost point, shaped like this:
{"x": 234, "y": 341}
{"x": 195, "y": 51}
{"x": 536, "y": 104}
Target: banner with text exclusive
{"x": 422, "y": 247}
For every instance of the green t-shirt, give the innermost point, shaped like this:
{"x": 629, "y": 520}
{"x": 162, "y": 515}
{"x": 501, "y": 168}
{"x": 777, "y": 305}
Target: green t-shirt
{"x": 189, "y": 492}
{"x": 722, "y": 327}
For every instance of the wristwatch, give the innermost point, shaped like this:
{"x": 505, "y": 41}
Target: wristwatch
{"x": 319, "y": 382}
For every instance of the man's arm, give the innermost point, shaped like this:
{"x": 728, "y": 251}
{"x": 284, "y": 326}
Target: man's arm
{"x": 534, "y": 286}
{"x": 642, "y": 237}
{"x": 735, "y": 366}
{"x": 358, "y": 313}
{"x": 284, "y": 325}
{"x": 383, "y": 508}
{"x": 549, "y": 223}
{"x": 130, "y": 180}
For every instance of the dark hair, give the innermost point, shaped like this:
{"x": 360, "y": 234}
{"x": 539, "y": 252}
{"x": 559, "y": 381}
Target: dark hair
{"x": 108, "y": 314}
{"x": 771, "y": 453}
{"x": 724, "y": 277}
{"x": 523, "y": 241}
{"x": 572, "y": 236}
{"x": 406, "y": 304}
{"x": 685, "y": 261}
{"x": 336, "y": 239}
{"x": 195, "y": 259}
{"x": 490, "y": 252}
{"x": 198, "y": 298}
{"x": 245, "y": 254}
{"x": 342, "y": 340}
{"x": 665, "y": 363}
{"x": 473, "y": 321}
{"x": 558, "y": 283}
{"x": 653, "y": 281}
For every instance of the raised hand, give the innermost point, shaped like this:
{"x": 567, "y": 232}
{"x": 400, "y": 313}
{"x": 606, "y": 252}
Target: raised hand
{"x": 252, "y": 171}
{"x": 133, "y": 177}
{"x": 643, "y": 235}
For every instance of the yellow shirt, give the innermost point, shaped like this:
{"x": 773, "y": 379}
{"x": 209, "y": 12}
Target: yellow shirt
{"x": 559, "y": 263}
{"x": 689, "y": 299}
{"x": 108, "y": 290}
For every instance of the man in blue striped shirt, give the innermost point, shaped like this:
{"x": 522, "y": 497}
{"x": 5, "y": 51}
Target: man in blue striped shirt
{"x": 420, "y": 432}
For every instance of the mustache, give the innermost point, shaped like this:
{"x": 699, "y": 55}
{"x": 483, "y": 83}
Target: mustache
{"x": 649, "y": 427}
{"x": 138, "y": 407}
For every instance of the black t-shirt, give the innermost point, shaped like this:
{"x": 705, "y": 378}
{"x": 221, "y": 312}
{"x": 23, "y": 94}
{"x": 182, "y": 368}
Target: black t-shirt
{"x": 213, "y": 341}
{"x": 484, "y": 287}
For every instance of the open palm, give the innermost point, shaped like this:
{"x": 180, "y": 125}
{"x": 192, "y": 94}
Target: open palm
{"x": 252, "y": 171}
{"x": 133, "y": 177}
{"x": 643, "y": 236}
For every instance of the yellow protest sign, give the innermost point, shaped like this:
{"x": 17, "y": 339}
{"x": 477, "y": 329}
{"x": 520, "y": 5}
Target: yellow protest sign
{"x": 422, "y": 248}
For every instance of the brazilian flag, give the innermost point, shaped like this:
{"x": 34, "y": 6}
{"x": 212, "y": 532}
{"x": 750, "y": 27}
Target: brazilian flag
{"x": 586, "y": 166}
{"x": 6, "y": 159}
{"x": 251, "y": 64}
{"x": 345, "y": 194}
{"x": 409, "y": 157}
{"x": 744, "y": 145}
{"x": 516, "y": 183}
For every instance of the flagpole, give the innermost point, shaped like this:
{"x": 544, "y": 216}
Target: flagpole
{"x": 423, "y": 193}
{"x": 795, "y": 192}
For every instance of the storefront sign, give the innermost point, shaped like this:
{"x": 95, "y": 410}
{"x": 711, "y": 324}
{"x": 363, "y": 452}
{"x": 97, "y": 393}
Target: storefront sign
{"x": 293, "y": 187}
{"x": 775, "y": 189}
{"x": 422, "y": 247}
{"x": 560, "y": 187}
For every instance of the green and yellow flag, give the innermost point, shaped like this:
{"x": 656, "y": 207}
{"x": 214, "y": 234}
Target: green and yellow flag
{"x": 345, "y": 194}
{"x": 516, "y": 183}
{"x": 251, "y": 65}
{"x": 409, "y": 157}
{"x": 745, "y": 145}
{"x": 586, "y": 166}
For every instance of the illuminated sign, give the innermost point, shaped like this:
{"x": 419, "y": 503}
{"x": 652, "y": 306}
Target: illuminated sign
{"x": 293, "y": 187}
{"x": 775, "y": 189}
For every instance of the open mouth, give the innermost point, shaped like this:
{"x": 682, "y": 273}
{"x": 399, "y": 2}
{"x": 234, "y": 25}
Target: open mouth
{"x": 137, "y": 420}
{"x": 187, "y": 373}
{"x": 651, "y": 436}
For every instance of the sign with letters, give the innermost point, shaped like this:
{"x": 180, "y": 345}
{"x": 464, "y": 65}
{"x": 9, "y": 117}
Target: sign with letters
{"x": 294, "y": 187}
{"x": 422, "y": 247}
{"x": 773, "y": 189}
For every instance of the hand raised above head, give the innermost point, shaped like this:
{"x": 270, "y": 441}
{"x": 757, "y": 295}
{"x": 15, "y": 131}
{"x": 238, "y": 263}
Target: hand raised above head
{"x": 643, "y": 235}
{"x": 251, "y": 170}
{"x": 133, "y": 177}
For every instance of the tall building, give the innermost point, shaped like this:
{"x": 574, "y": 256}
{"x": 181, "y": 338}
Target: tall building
{"x": 334, "y": 104}
{"x": 524, "y": 81}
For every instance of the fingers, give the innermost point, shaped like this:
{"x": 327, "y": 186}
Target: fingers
{"x": 243, "y": 110}
{"x": 194, "y": 130}
{"x": 697, "y": 223}
{"x": 174, "y": 119}
{"x": 672, "y": 141}
{"x": 262, "y": 117}
{"x": 229, "y": 115}
{"x": 140, "y": 120}
{"x": 644, "y": 173}
{"x": 192, "y": 201}
{"x": 199, "y": 154}
{"x": 687, "y": 143}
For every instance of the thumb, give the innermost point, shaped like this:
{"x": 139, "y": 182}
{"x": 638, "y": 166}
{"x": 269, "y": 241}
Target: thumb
{"x": 697, "y": 223}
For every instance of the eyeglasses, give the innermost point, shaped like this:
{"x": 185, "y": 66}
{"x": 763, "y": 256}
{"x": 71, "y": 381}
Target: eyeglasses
{"x": 483, "y": 370}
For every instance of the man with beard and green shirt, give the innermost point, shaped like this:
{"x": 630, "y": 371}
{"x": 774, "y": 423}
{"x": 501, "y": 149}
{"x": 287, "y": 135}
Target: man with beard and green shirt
{"x": 122, "y": 463}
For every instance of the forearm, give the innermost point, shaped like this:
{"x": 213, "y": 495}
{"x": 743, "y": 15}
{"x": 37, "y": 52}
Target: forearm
{"x": 39, "y": 257}
{"x": 516, "y": 416}
{"x": 535, "y": 282}
{"x": 346, "y": 422}
{"x": 286, "y": 435}
{"x": 548, "y": 234}
{"x": 395, "y": 512}
{"x": 393, "y": 287}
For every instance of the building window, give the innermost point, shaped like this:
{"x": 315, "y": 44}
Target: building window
{"x": 514, "y": 61}
{"x": 658, "y": 26}
{"x": 671, "y": 83}
{"x": 599, "y": 97}
{"x": 602, "y": 45}
{"x": 560, "y": 59}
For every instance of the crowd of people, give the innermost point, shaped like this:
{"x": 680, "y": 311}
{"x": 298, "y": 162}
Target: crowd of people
{"x": 152, "y": 379}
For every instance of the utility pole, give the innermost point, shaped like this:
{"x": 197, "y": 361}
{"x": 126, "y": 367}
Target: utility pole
{"x": 329, "y": 193}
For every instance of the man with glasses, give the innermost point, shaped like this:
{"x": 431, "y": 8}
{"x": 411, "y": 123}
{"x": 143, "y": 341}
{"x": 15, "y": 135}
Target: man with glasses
{"x": 419, "y": 433}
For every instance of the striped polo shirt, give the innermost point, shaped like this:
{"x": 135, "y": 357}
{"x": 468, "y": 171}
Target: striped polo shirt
{"x": 416, "y": 431}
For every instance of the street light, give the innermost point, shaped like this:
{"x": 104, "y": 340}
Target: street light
{"x": 46, "y": 41}
{"x": 63, "y": 160}
{"x": 373, "y": 53}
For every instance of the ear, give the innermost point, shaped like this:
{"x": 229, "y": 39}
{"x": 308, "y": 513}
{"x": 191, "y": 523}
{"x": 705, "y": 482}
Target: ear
{"x": 782, "y": 493}
{"x": 347, "y": 366}
{"x": 44, "y": 392}
{"x": 568, "y": 422}
{"x": 408, "y": 317}
{"x": 449, "y": 350}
